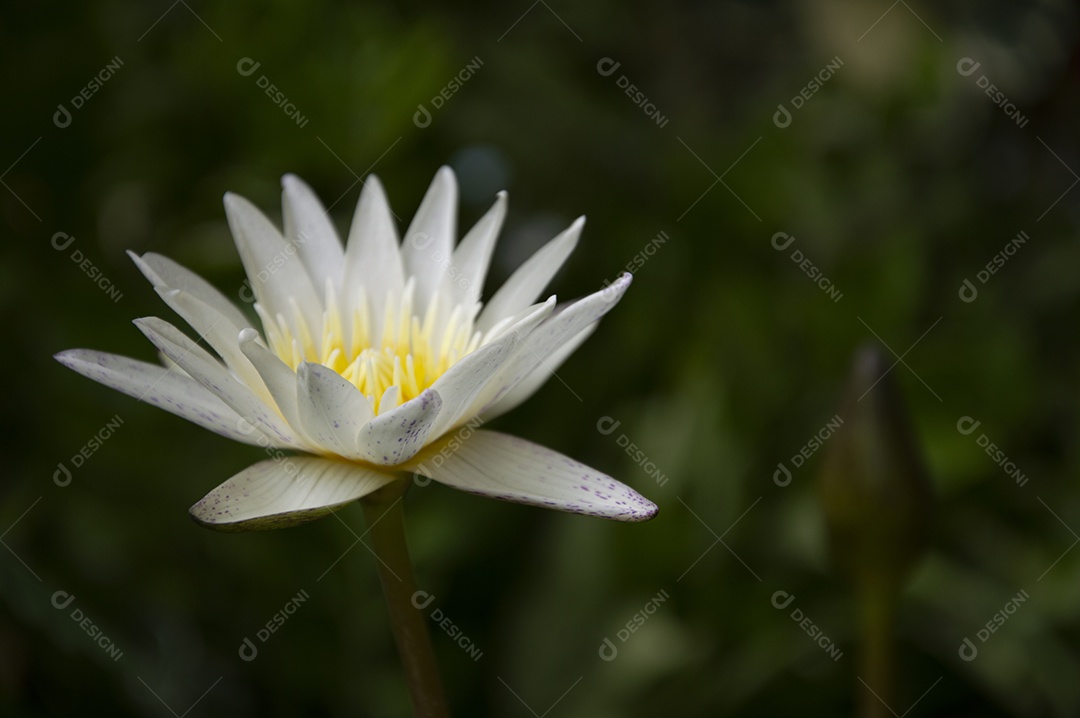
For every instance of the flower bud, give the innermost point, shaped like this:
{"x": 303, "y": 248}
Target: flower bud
{"x": 873, "y": 485}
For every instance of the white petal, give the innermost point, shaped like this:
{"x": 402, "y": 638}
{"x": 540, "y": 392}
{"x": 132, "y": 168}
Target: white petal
{"x": 308, "y": 226}
{"x": 429, "y": 241}
{"x": 172, "y": 391}
{"x": 472, "y": 256}
{"x": 539, "y": 376}
{"x": 512, "y": 469}
{"x": 390, "y": 400}
{"x": 285, "y": 492}
{"x": 162, "y": 271}
{"x": 372, "y": 260}
{"x": 273, "y": 266}
{"x": 530, "y": 279}
{"x": 559, "y": 329}
{"x": 209, "y": 372}
{"x": 462, "y": 382}
{"x": 278, "y": 377}
{"x": 218, "y": 332}
{"x": 396, "y": 436}
{"x": 332, "y": 409}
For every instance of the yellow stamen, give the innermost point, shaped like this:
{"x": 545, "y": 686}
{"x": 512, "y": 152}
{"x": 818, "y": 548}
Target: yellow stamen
{"x": 411, "y": 354}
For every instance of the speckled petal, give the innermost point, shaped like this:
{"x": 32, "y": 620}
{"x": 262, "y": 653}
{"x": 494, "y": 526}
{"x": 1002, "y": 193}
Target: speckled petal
{"x": 217, "y": 331}
{"x": 164, "y": 272}
{"x": 331, "y": 409}
{"x": 556, "y": 331}
{"x": 284, "y": 492}
{"x": 209, "y": 372}
{"x": 462, "y": 382}
{"x": 396, "y": 436}
{"x": 172, "y": 391}
{"x": 511, "y": 469}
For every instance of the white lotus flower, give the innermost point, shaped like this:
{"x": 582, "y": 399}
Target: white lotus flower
{"x": 376, "y": 360}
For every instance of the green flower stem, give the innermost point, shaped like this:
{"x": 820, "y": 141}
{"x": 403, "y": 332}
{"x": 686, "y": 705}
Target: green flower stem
{"x": 876, "y": 663}
{"x": 385, "y": 517}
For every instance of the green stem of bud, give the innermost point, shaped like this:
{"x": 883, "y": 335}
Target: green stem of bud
{"x": 877, "y": 605}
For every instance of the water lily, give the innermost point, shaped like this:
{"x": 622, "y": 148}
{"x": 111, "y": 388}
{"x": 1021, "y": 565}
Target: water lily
{"x": 375, "y": 360}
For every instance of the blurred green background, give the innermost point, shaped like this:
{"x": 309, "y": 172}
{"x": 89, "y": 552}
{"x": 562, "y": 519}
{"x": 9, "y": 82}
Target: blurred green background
{"x": 899, "y": 178}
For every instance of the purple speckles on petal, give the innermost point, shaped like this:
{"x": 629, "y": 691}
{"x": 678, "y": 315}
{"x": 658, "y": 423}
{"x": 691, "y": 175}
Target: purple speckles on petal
{"x": 405, "y": 429}
{"x": 511, "y": 469}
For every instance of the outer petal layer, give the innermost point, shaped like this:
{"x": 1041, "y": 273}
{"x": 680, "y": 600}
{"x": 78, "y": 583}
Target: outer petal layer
{"x": 532, "y": 382}
{"x": 170, "y": 390}
{"x": 547, "y": 339}
{"x": 164, "y": 272}
{"x": 278, "y": 493}
{"x": 512, "y": 469}
{"x": 464, "y": 381}
{"x": 209, "y": 372}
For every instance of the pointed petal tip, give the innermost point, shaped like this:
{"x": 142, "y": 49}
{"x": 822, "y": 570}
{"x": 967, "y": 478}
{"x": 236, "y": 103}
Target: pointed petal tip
{"x": 238, "y": 203}
{"x": 278, "y": 494}
{"x": 203, "y": 513}
{"x": 374, "y": 181}
{"x": 445, "y": 180}
{"x": 647, "y": 511}
{"x": 67, "y": 356}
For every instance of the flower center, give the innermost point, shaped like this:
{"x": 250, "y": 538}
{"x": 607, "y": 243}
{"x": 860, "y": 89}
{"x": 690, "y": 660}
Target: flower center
{"x": 409, "y": 355}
